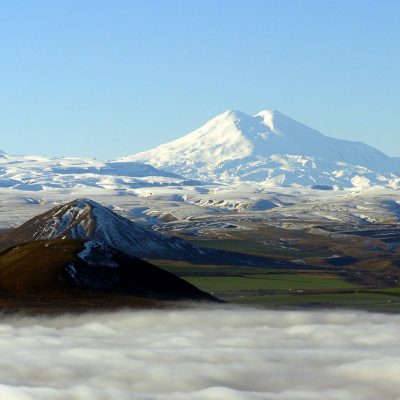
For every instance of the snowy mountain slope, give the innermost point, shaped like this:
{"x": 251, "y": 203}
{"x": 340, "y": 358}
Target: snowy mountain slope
{"x": 33, "y": 173}
{"x": 273, "y": 148}
{"x": 88, "y": 220}
{"x": 234, "y": 147}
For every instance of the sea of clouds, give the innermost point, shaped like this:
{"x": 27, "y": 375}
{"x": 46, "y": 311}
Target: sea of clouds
{"x": 207, "y": 354}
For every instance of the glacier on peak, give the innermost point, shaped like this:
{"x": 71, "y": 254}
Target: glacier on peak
{"x": 269, "y": 147}
{"x": 268, "y": 118}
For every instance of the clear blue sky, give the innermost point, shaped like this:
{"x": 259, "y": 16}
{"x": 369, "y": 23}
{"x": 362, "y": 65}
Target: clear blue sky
{"x": 110, "y": 78}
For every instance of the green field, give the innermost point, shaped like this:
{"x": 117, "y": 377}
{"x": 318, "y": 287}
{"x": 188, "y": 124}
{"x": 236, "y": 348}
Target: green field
{"x": 212, "y": 270}
{"x": 332, "y": 286}
{"x": 287, "y": 282}
{"x": 253, "y": 247}
{"x": 274, "y": 289}
{"x": 363, "y": 300}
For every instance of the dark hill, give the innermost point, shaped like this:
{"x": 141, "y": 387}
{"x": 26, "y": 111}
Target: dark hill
{"x": 71, "y": 275}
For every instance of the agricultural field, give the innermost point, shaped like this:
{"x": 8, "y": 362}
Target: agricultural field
{"x": 269, "y": 281}
{"x": 277, "y": 290}
{"x": 317, "y": 271}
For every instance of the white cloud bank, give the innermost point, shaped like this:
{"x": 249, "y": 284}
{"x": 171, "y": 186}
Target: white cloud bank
{"x": 218, "y": 354}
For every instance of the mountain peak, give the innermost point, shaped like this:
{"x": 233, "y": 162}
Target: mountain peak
{"x": 228, "y": 115}
{"x": 87, "y": 220}
{"x": 82, "y": 203}
{"x": 269, "y": 147}
{"x": 267, "y": 117}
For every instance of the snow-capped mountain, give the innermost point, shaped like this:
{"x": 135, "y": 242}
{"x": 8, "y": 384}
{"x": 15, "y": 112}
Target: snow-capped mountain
{"x": 87, "y": 220}
{"x": 270, "y": 147}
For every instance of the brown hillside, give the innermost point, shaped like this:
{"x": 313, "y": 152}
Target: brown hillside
{"x": 48, "y": 275}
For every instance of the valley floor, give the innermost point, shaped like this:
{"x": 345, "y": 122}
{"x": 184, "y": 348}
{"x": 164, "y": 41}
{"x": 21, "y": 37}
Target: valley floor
{"x": 321, "y": 248}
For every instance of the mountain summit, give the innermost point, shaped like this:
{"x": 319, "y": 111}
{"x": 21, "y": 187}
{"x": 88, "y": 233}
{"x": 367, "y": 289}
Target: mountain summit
{"x": 273, "y": 148}
{"x": 87, "y": 220}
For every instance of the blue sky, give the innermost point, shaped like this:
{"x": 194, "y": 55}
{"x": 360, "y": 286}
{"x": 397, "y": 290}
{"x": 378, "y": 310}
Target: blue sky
{"x": 110, "y": 78}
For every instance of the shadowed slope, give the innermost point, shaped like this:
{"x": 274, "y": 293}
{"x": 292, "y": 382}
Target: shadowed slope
{"x": 76, "y": 274}
{"x": 87, "y": 220}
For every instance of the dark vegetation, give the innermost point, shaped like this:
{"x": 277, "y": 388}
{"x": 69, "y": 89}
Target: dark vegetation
{"x": 47, "y": 276}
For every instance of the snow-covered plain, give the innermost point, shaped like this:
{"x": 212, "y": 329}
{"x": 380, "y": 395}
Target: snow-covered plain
{"x": 207, "y": 354}
{"x": 35, "y": 173}
{"x": 215, "y": 206}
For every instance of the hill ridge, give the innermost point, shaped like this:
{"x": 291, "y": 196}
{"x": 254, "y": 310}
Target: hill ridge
{"x": 88, "y": 220}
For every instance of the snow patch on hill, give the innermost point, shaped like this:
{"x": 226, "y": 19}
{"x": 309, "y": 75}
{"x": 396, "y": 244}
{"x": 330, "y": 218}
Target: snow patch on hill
{"x": 97, "y": 254}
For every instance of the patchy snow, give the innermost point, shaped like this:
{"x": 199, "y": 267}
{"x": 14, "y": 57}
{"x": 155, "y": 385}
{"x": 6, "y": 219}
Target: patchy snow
{"x": 186, "y": 209}
{"x": 85, "y": 219}
{"x": 97, "y": 254}
{"x": 361, "y": 182}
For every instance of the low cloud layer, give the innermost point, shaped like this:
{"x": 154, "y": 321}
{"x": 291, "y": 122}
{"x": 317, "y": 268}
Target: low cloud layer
{"x": 218, "y": 354}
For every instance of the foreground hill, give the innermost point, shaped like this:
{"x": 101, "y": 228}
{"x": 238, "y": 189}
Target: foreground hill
{"x": 87, "y": 220}
{"x": 273, "y": 148}
{"x": 73, "y": 274}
